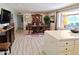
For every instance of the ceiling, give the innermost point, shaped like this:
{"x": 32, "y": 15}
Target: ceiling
{"x": 36, "y": 7}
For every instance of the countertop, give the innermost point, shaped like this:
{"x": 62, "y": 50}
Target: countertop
{"x": 63, "y": 34}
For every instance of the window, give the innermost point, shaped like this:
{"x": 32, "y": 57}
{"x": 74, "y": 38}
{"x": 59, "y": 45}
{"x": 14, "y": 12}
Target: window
{"x": 71, "y": 21}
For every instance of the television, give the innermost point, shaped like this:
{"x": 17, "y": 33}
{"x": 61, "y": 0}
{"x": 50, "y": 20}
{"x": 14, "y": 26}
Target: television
{"x": 5, "y": 16}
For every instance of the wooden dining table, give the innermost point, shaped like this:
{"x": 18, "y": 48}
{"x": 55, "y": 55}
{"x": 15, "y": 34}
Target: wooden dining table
{"x": 37, "y": 27}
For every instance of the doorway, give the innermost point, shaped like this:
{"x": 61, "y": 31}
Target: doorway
{"x": 20, "y": 22}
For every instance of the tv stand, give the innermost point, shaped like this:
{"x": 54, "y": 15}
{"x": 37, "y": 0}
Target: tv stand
{"x": 9, "y": 34}
{"x": 3, "y": 25}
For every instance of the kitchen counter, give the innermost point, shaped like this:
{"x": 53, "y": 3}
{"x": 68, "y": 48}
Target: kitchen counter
{"x": 61, "y": 42}
{"x": 63, "y": 34}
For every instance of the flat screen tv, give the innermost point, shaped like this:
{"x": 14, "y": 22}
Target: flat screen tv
{"x": 5, "y": 16}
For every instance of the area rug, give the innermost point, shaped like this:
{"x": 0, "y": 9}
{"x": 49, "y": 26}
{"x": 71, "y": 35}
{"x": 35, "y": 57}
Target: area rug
{"x": 34, "y": 34}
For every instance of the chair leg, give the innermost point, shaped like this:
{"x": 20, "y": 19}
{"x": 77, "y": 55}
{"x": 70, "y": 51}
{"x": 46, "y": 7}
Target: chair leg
{"x": 5, "y": 53}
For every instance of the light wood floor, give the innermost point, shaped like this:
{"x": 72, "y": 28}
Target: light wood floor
{"x": 27, "y": 44}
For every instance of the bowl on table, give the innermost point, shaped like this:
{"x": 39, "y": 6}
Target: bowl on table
{"x": 75, "y": 30}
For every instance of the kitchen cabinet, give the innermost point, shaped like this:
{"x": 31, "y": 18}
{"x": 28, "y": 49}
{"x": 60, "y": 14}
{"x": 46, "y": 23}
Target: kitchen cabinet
{"x": 61, "y": 42}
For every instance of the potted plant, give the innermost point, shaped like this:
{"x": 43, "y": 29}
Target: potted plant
{"x": 47, "y": 21}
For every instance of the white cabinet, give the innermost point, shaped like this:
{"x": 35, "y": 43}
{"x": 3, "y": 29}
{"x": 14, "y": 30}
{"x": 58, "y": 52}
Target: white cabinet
{"x": 66, "y": 50}
{"x": 65, "y": 47}
{"x": 52, "y": 26}
{"x": 65, "y": 43}
{"x": 68, "y": 45}
{"x": 76, "y": 47}
{"x": 59, "y": 49}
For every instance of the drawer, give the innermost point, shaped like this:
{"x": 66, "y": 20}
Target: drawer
{"x": 66, "y": 49}
{"x": 65, "y": 43}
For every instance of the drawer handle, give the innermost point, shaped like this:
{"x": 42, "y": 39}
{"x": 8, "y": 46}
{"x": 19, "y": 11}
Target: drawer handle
{"x": 66, "y": 43}
{"x": 66, "y": 49}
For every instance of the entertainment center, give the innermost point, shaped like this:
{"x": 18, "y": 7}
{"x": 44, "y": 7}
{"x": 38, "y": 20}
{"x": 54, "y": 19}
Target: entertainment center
{"x": 7, "y": 29}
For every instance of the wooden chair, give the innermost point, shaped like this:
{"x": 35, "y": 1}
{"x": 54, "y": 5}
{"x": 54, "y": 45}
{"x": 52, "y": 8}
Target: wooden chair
{"x": 5, "y": 46}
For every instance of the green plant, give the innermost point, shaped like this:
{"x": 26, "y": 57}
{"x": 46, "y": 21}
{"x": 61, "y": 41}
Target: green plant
{"x": 46, "y": 19}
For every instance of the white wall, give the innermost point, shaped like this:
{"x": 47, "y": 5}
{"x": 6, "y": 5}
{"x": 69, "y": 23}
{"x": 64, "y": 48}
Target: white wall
{"x": 72, "y": 11}
{"x": 26, "y": 19}
{"x": 12, "y": 11}
{"x": 52, "y": 26}
{"x": 65, "y": 12}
